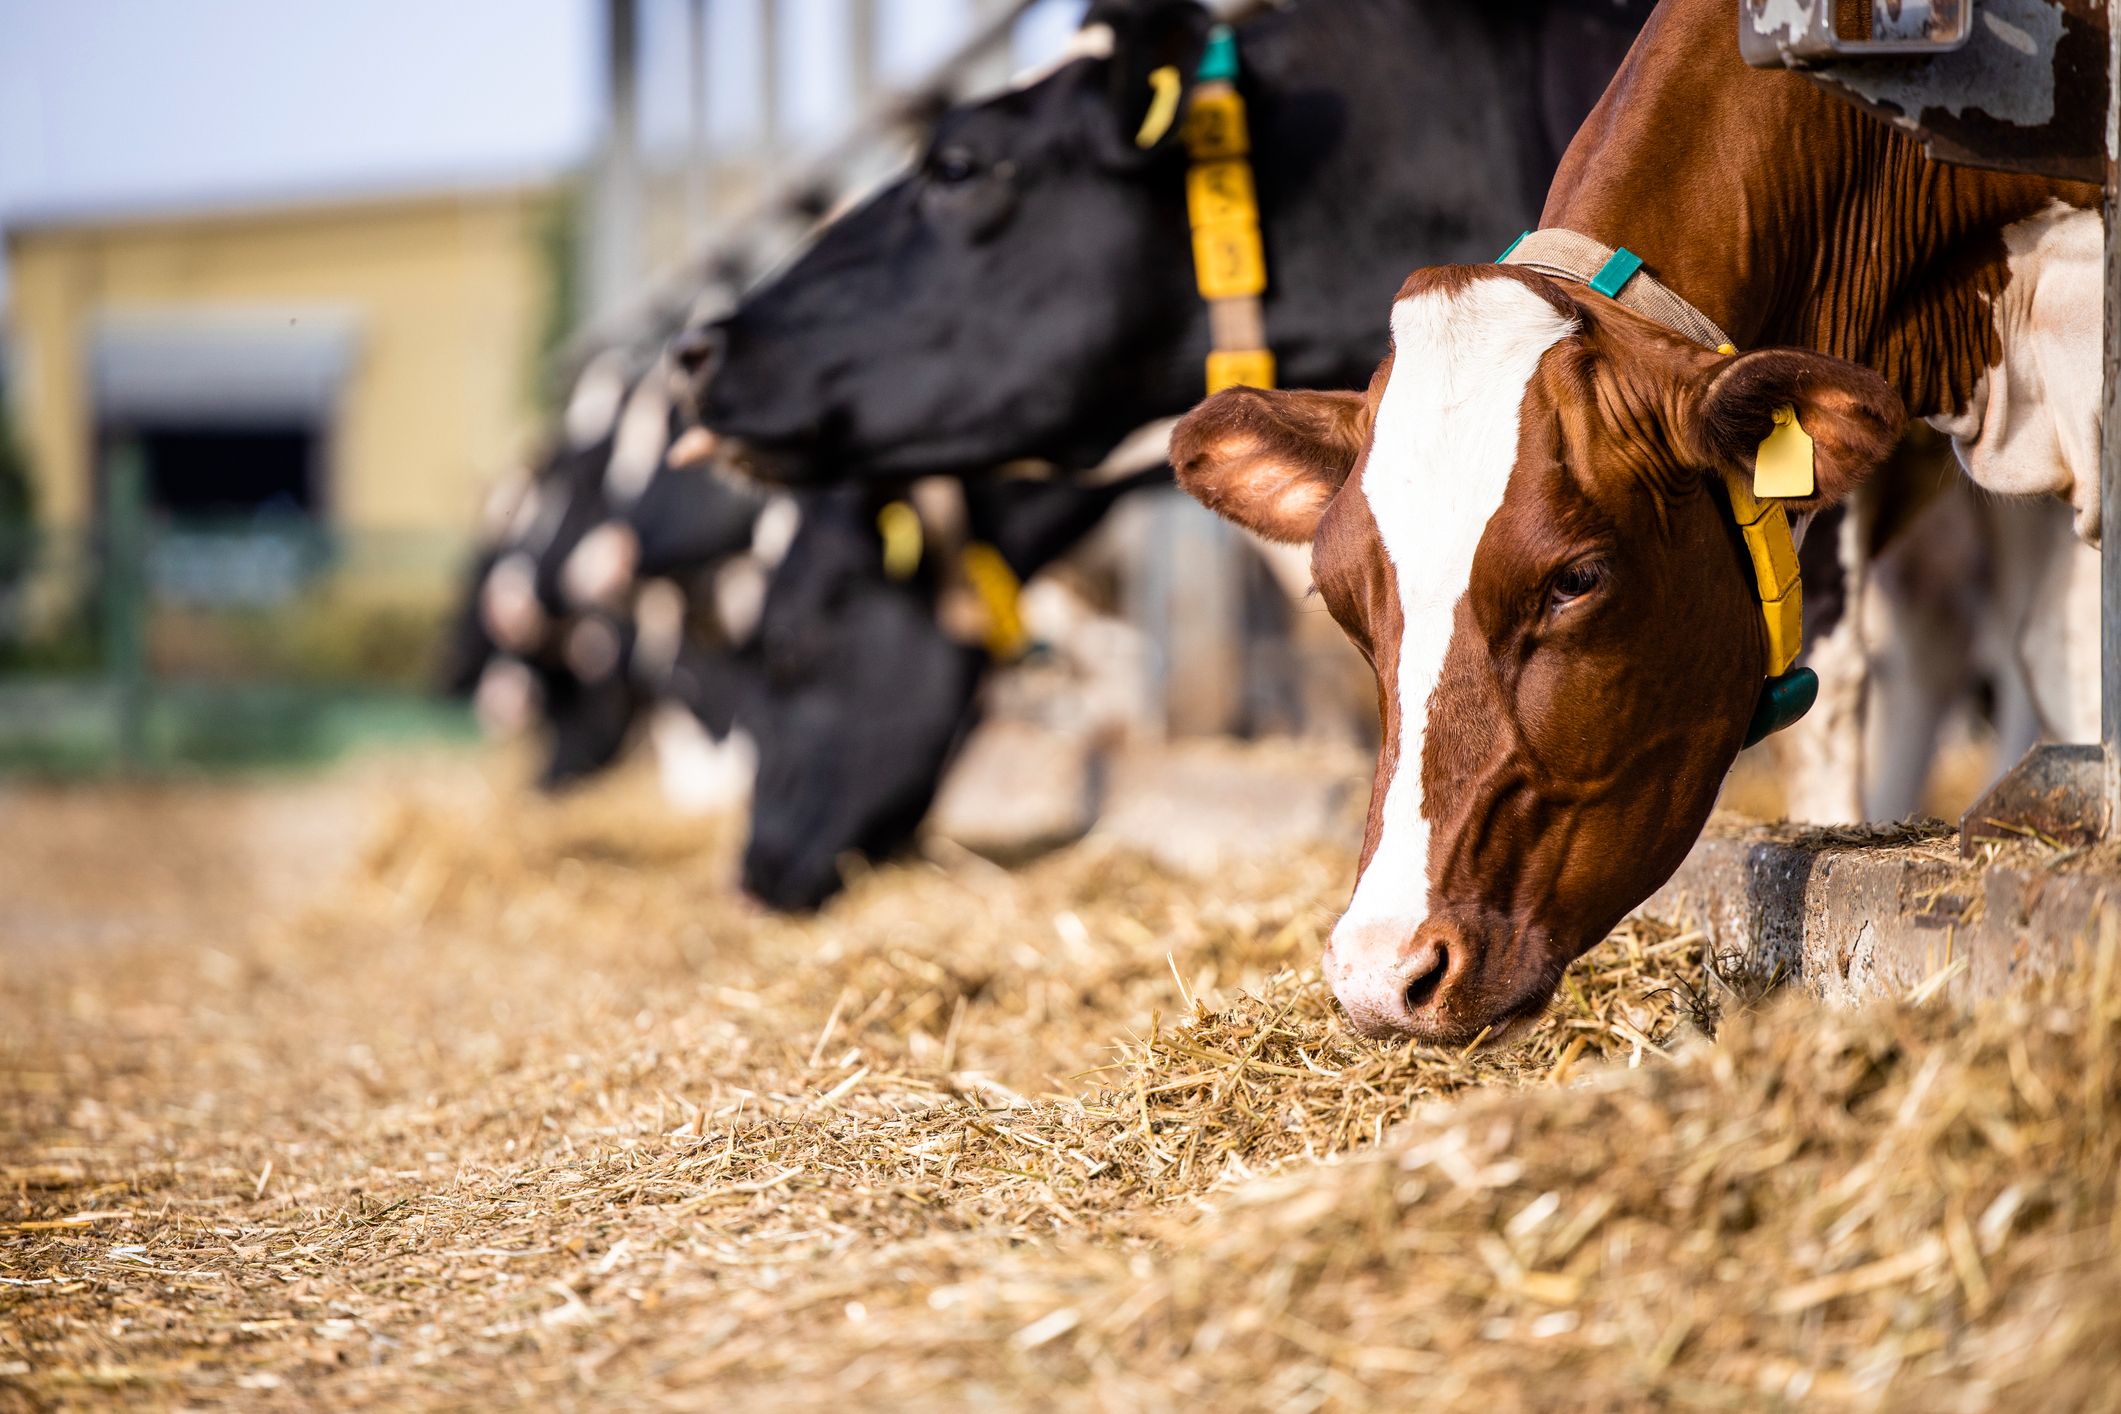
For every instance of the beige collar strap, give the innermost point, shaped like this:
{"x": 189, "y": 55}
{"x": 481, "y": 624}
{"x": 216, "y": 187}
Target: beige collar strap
{"x": 1761, "y": 520}
{"x": 1569, "y": 255}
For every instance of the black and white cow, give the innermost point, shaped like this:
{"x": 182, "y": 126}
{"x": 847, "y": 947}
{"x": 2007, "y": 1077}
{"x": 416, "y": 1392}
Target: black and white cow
{"x": 593, "y": 597}
{"x": 846, "y": 673}
{"x": 1027, "y": 290}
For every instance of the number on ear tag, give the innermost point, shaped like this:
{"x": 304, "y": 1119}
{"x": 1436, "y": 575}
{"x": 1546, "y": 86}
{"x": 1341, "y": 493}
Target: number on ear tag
{"x": 1783, "y": 465}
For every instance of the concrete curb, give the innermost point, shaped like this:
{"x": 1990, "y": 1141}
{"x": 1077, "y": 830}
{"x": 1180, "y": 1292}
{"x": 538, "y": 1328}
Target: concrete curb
{"x": 1848, "y": 917}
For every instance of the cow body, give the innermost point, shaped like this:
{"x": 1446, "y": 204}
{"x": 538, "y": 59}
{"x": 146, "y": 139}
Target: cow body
{"x": 1976, "y": 294}
{"x": 1568, "y": 666}
{"x": 1028, "y": 291}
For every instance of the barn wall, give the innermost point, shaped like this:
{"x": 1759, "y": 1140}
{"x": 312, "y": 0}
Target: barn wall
{"x": 444, "y": 296}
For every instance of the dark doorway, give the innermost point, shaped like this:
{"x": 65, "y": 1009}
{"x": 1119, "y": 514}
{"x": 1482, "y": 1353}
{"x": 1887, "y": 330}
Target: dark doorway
{"x": 216, "y": 472}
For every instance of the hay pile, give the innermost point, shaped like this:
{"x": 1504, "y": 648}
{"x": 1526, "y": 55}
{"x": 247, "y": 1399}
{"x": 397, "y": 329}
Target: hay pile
{"x": 533, "y": 1111}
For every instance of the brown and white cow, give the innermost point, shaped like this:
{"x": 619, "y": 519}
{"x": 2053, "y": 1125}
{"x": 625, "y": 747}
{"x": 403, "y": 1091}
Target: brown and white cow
{"x": 1521, "y": 522}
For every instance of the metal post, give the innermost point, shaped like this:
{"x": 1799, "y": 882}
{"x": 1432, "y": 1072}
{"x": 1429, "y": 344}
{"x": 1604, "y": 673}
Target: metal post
{"x": 124, "y": 577}
{"x": 770, "y": 129}
{"x": 699, "y": 190}
{"x": 2110, "y": 457}
{"x": 614, "y": 246}
{"x": 861, "y": 54}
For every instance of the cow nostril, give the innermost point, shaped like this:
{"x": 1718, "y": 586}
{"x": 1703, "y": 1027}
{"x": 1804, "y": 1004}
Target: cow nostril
{"x": 698, "y": 349}
{"x": 1426, "y": 978}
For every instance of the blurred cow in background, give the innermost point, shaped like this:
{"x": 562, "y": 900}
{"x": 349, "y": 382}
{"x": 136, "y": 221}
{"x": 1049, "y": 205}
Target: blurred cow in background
{"x": 879, "y": 631}
{"x": 601, "y": 596}
{"x": 834, "y": 642}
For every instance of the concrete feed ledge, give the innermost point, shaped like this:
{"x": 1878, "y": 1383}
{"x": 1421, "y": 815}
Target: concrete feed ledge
{"x": 1850, "y": 914}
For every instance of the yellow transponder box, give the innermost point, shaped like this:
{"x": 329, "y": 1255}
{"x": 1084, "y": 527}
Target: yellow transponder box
{"x": 1239, "y": 368}
{"x": 1785, "y": 629}
{"x": 1215, "y": 125}
{"x": 1218, "y": 193}
{"x": 1228, "y": 260}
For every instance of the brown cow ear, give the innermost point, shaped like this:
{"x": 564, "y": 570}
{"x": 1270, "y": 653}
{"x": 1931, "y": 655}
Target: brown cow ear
{"x": 1270, "y": 460}
{"x": 1852, "y": 416}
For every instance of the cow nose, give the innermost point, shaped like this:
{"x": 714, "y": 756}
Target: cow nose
{"x": 1387, "y": 981}
{"x": 699, "y": 349}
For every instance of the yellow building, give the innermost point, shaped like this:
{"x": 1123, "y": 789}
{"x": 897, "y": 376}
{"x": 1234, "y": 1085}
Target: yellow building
{"x": 368, "y": 363}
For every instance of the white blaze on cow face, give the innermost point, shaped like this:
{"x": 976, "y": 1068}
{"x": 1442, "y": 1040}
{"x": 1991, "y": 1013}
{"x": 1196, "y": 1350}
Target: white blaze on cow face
{"x": 637, "y": 447}
{"x": 593, "y": 404}
{"x": 701, "y": 775}
{"x": 506, "y": 698}
{"x": 599, "y": 570}
{"x": 1439, "y": 462}
{"x": 508, "y": 603}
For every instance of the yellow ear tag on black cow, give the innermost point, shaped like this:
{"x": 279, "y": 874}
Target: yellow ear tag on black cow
{"x": 900, "y": 525}
{"x": 1783, "y": 465}
{"x": 1165, "y": 86}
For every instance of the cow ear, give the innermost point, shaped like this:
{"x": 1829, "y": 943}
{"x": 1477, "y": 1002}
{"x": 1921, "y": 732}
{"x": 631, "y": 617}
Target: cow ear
{"x": 1156, "y": 47}
{"x": 1270, "y": 461}
{"x": 1851, "y": 416}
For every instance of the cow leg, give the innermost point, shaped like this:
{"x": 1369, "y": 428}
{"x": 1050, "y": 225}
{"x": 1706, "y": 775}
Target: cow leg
{"x": 1921, "y": 669}
{"x": 2054, "y": 578}
{"x": 1821, "y": 755}
{"x": 1927, "y": 594}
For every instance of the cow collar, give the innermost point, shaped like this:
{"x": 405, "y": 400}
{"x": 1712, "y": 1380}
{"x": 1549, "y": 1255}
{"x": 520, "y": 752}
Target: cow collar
{"x": 1618, "y": 275}
{"x": 1222, "y": 207}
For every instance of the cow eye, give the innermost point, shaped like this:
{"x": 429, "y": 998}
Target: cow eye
{"x": 1574, "y": 582}
{"x": 953, "y": 166}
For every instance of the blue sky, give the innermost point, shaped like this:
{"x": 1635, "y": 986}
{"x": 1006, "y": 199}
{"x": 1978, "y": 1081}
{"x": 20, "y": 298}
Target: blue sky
{"x": 131, "y": 104}
{"x": 125, "y": 103}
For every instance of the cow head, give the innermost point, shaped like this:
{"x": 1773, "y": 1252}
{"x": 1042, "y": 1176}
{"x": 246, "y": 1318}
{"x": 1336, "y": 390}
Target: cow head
{"x": 861, "y": 699}
{"x": 580, "y": 702}
{"x": 868, "y": 672}
{"x": 1022, "y": 293}
{"x": 1521, "y": 525}
{"x": 590, "y": 702}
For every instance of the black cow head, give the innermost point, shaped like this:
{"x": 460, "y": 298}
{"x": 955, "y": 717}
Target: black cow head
{"x": 590, "y": 702}
{"x": 866, "y": 683}
{"x": 1026, "y": 291}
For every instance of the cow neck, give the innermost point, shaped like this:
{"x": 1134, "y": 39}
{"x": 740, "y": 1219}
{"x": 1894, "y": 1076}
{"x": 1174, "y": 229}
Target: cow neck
{"x": 1762, "y": 522}
{"x": 978, "y": 594}
{"x": 1787, "y": 216}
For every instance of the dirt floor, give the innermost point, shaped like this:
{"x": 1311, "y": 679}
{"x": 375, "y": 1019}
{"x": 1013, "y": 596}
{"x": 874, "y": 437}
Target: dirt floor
{"x": 402, "y": 1088}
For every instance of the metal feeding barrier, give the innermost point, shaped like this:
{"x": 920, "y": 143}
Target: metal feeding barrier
{"x": 149, "y": 640}
{"x": 2024, "y": 86}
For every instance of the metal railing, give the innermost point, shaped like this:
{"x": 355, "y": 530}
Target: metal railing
{"x": 147, "y": 642}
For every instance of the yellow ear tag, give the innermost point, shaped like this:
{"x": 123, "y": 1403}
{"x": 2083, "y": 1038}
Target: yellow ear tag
{"x": 1783, "y": 465}
{"x": 900, "y": 525}
{"x": 1163, "y": 106}
{"x": 999, "y": 590}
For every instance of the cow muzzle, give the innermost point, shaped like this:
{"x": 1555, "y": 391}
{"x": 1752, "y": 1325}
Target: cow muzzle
{"x": 1398, "y": 978}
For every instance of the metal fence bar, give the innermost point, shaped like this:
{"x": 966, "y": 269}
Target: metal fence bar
{"x": 2110, "y": 459}
{"x": 125, "y": 596}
